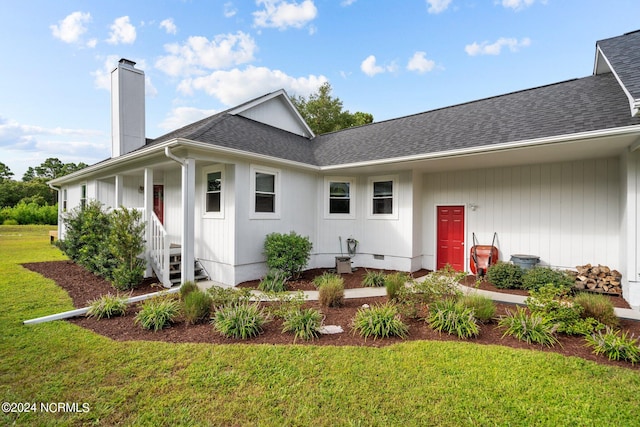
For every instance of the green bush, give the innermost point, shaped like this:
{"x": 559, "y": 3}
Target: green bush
{"x": 283, "y": 303}
{"x": 287, "y": 252}
{"x": 453, "y": 318}
{"x": 186, "y": 288}
{"x": 31, "y": 212}
{"x": 196, "y": 307}
{"x": 373, "y": 279}
{"x": 158, "y": 312}
{"x": 531, "y": 329}
{"x": 9, "y": 222}
{"x": 505, "y": 275}
{"x": 381, "y": 321}
{"x": 331, "y": 291}
{"x": 553, "y": 303}
{"x": 274, "y": 281}
{"x": 240, "y": 321}
{"x": 438, "y": 285}
{"x": 395, "y": 284}
{"x": 126, "y": 245}
{"x": 304, "y": 323}
{"x": 325, "y": 278}
{"x": 615, "y": 345}
{"x": 598, "y": 307}
{"x": 539, "y": 276}
{"x": 483, "y": 308}
{"x": 224, "y": 297}
{"x": 107, "y": 306}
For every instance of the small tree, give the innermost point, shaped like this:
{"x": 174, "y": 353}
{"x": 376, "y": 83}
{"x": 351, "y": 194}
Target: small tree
{"x": 288, "y": 253}
{"x": 126, "y": 243}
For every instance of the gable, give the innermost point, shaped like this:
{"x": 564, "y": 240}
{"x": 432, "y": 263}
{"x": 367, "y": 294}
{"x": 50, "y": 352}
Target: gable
{"x": 275, "y": 109}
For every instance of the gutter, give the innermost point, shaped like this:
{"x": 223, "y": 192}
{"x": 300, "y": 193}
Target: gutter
{"x": 169, "y": 154}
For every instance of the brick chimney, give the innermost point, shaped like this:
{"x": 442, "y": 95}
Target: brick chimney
{"x": 127, "y": 108}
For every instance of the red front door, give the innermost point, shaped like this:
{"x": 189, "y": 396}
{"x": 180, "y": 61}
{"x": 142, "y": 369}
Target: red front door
{"x": 450, "y": 237}
{"x": 158, "y": 202}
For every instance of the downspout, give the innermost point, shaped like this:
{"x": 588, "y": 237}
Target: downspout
{"x": 188, "y": 231}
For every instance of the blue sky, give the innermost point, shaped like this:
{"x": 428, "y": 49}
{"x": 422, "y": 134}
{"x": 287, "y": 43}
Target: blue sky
{"x": 387, "y": 58}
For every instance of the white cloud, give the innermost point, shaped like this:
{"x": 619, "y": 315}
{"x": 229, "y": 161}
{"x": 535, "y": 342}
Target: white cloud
{"x": 346, "y": 3}
{"x": 122, "y": 31}
{"x": 229, "y": 10}
{"x": 420, "y": 63}
{"x": 71, "y": 28}
{"x": 485, "y": 48}
{"x": 198, "y": 54}
{"x": 102, "y": 76}
{"x": 182, "y": 116}
{"x": 518, "y": 4}
{"x": 437, "y": 6}
{"x": 282, "y": 14}
{"x": 169, "y": 26}
{"x": 370, "y": 68}
{"x": 235, "y": 86}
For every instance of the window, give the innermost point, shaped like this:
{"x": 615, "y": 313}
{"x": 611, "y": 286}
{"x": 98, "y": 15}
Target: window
{"x": 83, "y": 195}
{"x": 64, "y": 200}
{"x": 340, "y": 195}
{"x": 383, "y": 197}
{"x": 265, "y": 192}
{"x": 214, "y": 188}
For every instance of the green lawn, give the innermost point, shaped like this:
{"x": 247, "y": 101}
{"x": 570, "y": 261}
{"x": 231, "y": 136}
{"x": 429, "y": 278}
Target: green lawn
{"x": 151, "y": 383}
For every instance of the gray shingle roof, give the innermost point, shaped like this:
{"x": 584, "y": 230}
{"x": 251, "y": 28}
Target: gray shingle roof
{"x": 581, "y": 105}
{"x": 623, "y": 53}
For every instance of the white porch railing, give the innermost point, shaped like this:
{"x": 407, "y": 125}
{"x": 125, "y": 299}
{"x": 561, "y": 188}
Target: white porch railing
{"x": 158, "y": 247}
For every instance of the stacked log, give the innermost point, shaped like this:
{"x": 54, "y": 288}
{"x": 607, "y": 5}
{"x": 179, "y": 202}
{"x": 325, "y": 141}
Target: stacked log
{"x": 598, "y": 278}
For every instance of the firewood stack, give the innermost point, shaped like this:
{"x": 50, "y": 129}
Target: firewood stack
{"x": 598, "y": 278}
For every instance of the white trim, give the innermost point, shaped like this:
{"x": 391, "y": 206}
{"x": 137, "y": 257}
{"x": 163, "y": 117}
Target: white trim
{"x": 206, "y": 171}
{"x": 255, "y": 169}
{"x": 395, "y": 182}
{"x": 352, "y": 197}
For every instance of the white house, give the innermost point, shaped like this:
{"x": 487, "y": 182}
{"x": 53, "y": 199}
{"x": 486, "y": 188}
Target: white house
{"x": 553, "y": 170}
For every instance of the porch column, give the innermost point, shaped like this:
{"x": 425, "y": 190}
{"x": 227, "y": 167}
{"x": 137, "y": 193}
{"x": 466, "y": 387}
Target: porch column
{"x": 188, "y": 220}
{"x": 148, "y": 208}
{"x": 630, "y": 231}
{"x": 118, "y": 191}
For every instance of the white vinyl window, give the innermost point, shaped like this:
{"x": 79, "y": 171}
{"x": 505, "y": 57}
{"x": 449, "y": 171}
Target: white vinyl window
{"x": 83, "y": 196}
{"x": 214, "y": 192}
{"x": 64, "y": 200}
{"x": 265, "y": 193}
{"x": 383, "y": 197}
{"x": 340, "y": 197}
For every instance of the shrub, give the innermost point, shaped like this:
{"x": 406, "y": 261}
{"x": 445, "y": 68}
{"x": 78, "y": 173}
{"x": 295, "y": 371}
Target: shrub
{"x": 438, "y": 285}
{"x": 531, "y": 329}
{"x": 483, "y": 308}
{"x": 598, "y": 307}
{"x": 274, "y": 281}
{"x": 373, "y": 279}
{"x": 453, "y": 318}
{"x": 505, "y": 275}
{"x": 615, "y": 345}
{"x": 287, "y": 252}
{"x": 304, "y": 323}
{"x": 240, "y": 321}
{"x": 107, "y": 306}
{"x": 381, "y": 321}
{"x": 395, "y": 284}
{"x": 196, "y": 307}
{"x": 539, "y": 276}
{"x": 331, "y": 291}
{"x": 553, "y": 304}
{"x": 126, "y": 243}
{"x": 223, "y": 297}
{"x": 325, "y": 278}
{"x": 9, "y": 222}
{"x": 282, "y": 303}
{"x": 157, "y": 313}
{"x": 186, "y": 288}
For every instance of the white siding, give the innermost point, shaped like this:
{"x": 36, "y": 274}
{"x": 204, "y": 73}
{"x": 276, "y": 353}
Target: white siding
{"x": 275, "y": 113}
{"x": 173, "y": 204}
{"x": 630, "y": 229}
{"x": 566, "y": 213}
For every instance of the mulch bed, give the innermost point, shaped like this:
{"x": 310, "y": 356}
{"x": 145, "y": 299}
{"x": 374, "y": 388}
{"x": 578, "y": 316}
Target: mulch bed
{"x": 83, "y": 287}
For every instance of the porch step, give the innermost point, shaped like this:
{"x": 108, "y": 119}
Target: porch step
{"x": 175, "y": 272}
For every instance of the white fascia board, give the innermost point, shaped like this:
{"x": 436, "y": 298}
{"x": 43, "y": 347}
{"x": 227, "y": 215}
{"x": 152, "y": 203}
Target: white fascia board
{"x": 600, "y": 68}
{"x": 491, "y": 148}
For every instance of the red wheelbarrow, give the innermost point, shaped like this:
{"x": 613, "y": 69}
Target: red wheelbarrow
{"x": 483, "y": 256}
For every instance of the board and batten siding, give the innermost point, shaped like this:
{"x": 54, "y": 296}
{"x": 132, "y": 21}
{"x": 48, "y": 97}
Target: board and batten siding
{"x": 391, "y": 238}
{"x": 566, "y": 213}
{"x": 630, "y": 227}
